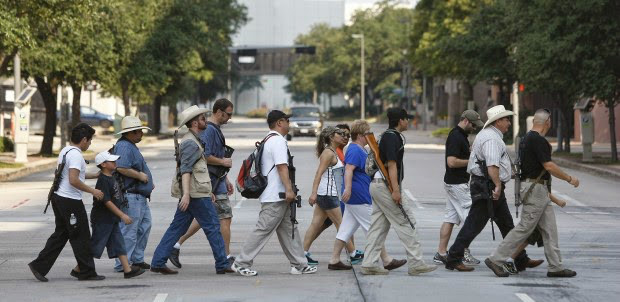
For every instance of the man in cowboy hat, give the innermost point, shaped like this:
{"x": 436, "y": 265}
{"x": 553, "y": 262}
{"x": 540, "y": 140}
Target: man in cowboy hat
{"x": 138, "y": 185}
{"x": 490, "y": 148}
{"x": 194, "y": 192}
{"x": 537, "y": 169}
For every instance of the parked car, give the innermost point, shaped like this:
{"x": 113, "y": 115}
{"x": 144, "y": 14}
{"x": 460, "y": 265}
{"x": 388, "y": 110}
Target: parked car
{"x": 92, "y": 117}
{"x": 305, "y": 121}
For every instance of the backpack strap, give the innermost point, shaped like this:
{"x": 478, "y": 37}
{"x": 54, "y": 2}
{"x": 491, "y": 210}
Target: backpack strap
{"x": 259, "y": 154}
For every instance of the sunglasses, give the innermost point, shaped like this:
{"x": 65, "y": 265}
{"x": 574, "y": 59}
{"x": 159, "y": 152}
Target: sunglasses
{"x": 229, "y": 114}
{"x": 340, "y": 132}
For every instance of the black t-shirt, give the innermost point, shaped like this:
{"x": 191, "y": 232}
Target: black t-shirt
{"x": 457, "y": 145}
{"x": 111, "y": 192}
{"x": 391, "y": 147}
{"x": 536, "y": 151}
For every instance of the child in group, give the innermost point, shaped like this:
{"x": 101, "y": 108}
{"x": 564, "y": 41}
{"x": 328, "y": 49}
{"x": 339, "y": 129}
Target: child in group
{"x": 106, "y": 214}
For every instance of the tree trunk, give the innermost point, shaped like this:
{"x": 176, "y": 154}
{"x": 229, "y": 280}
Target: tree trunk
{"x": 560, "y": 137}
{"x": 611, "y": 105}
{"x": 568, "y": 123}
{"x": 75, "y": 106}
{"x": 125, "y": 96}
{"x": 48, "y": 93}
{"x": 156, "y": 108}
{"x": 4, "y": 63}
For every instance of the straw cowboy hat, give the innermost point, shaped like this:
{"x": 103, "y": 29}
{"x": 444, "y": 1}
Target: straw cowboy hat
{"x": 131, "y": 123}
{"x": 495, "y": 113}
{"x": 191, "y": 113}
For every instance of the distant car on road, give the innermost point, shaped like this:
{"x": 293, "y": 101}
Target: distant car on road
{"x": 305, "y": 121}
{"x": 92, "y": 117}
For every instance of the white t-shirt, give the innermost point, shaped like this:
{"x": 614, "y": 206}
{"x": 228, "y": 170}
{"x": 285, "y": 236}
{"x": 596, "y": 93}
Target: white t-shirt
{"x": 74, "y": 160}
{"x": 274, "y": 153}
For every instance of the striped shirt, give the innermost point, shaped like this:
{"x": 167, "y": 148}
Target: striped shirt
{"x": 490, "y": 147}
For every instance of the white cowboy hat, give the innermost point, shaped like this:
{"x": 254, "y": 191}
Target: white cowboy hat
{"x": 190, "y": 113}
{"x": 495, "y": 113}
{"x": 131, "y": 123}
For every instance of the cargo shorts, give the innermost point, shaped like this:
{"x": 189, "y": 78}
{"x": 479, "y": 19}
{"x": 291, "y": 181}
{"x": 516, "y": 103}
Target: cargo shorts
{"x": 222, "y": 206}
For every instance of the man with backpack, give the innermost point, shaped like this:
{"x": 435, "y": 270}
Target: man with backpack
{"x": 138, "y": 185}
{"x": 274, "y": 163}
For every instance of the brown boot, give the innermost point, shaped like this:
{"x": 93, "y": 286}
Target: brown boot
{"x": 460, "y": 267}
{"x": 534, "y": 263}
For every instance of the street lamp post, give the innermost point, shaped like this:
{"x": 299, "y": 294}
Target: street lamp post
{"x": 362, "y": 91}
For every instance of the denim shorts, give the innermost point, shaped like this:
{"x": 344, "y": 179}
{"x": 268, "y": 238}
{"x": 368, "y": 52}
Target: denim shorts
{"x": 326, "y": 202}
{"x": 107, "y": 235}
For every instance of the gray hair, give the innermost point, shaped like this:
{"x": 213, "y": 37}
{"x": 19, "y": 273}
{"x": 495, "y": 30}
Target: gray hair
{"x": 541, "y": 116}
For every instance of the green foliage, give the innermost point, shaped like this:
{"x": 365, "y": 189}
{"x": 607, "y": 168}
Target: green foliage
{"x": 441, "y": 132}
{"x": 6, "y": 144}
{"x": 258, "y": 113}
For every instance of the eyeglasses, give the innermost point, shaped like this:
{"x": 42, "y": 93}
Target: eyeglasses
{"x": 229, "y": 114}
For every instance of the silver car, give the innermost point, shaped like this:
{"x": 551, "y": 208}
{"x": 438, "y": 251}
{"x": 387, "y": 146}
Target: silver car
{"x": 305, "y": 121}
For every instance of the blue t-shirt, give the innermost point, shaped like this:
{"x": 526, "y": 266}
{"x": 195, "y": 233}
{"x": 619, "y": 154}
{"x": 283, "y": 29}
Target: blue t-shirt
{"x": 360, "y": 186}
{"x": 214, "y": 145}
{"x": 131, "y": 158}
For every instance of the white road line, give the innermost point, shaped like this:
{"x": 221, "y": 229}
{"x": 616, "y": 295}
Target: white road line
{"x": 590, "y": 213}
{"x": 239, "y": 203}
{"x": 160, "y": 298}
{"x": 524, "y": 297}
{"x": 413, "y": 199}
{"x": 569, "y": 199}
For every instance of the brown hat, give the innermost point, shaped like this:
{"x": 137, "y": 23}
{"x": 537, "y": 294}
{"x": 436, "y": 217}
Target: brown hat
{"x": 473, "y": 117}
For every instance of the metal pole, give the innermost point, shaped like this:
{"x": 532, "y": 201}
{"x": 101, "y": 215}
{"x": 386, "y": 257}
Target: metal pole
{"x": 424, "y": 93}
{"x": 515, "y": 108}
{"x": 228, "y": 80}
{"x": 363, "y": 92}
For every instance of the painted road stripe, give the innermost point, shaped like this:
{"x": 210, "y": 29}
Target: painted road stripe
{"x": 569, "y": 199}
{"x": 591, "y": 213}
{"x": 524, "y": 297}
{"x": 240, "y": 203}
{"x": 160, "y": 298}
{"x": 413, "y": 199}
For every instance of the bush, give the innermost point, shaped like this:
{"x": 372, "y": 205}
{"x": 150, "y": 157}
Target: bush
{"x": 258, "y": 113}
{"x": 441, "y": 132}
{"x": 6, "y": 144}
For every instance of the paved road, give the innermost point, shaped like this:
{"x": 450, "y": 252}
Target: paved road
{"x": 588, "y": 238}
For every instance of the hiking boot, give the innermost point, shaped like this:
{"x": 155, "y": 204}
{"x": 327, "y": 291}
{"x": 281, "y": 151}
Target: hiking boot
{"x": 306, "y": 270}
{"x": 246, "y": 272}
{"x": 468, "y": 259}
{"x": 498, "y": 270}
{"x": 174, "y": 257}
{"x": 135, "y": 271}
{"x": 440, "y": 259}
{"x": 394, "y": 264}
{"x": 421, "y": 269}
{"x": 562, "y": 274}
{"x": 510, "y": 267}
{"x": 374, "y": 270}
{"x": 358, "y": 258}
{"x": 310, "y": 260}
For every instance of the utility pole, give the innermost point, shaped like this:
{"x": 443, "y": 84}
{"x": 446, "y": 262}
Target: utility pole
{"x": 424, "y": 101}
{"x": 515, "y": 109}
{"x": 22, "y": 118}
{"x": 362, "y": 88}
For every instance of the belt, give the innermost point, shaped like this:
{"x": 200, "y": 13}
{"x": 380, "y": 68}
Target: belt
{"x": 540, "y": 181}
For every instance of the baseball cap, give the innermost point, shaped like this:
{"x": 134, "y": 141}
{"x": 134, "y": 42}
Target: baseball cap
{"x": 275, "y": 115}
{"x": 394, "y": 114}
{"x": 473, "y": 117}
{"x": 105, "y": 156}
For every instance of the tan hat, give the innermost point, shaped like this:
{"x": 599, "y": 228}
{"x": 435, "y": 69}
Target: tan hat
{"x": 497, "y": 112}
{"x": 131, "y": 123}
{"x": 473, "y": 117}
{"x": 191, "y": 113}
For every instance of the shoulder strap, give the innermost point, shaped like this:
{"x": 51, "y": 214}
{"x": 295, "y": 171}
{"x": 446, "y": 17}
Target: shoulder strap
{"x": 64, "y": 156}
{"x": 335, "y": 154}
{"x": 219, "y": 132}
{"x": 259, "y": 152}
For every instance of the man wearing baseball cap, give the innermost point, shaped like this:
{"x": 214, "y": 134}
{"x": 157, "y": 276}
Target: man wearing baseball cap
{"x": 456, "y": 183}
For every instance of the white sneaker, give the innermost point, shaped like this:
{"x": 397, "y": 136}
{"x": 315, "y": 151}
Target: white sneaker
{"x": 246, "y": 272}
{"x": 305, "y": 270}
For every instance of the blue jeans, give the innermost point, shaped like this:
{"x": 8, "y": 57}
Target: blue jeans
{"x": 136, "y": 235}
{"x": 203, "y": 210}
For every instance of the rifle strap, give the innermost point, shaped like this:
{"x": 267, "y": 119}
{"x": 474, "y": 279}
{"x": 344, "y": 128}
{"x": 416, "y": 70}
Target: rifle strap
{"x": 529, "y": 190}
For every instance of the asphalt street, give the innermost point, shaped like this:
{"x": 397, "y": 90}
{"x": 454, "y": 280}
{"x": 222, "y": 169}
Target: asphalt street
{"x": 588, "y": 235}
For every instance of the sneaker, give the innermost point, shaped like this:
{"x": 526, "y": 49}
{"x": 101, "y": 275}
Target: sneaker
{"x": 174, "y": 257}
{"x": 310, "y": 260}
{"x": 246, "y": 272}
{"x": 440, "y": 259}
{"x": 374, "y": 270}
{"x": 424, "y": 268}
{"x": 306, "y": 270}
{"x": 510, "y": 267}
{"x": 562, "y": 274}
{"x": 135, "y": 271}
{"x": 498, "y": 270}
{"x": 357, "y": 259}
{"x": 468, "y": 259}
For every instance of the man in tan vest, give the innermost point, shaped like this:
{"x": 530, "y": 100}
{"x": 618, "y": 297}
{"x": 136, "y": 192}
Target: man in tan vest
{"x": 194, "y": 193}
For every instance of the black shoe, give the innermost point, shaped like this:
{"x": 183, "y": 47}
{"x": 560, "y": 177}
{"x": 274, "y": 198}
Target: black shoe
{"x": 224, "y": 271}
{"x": 562, "y": 274}
{"x": 92, "y": 278}
{"x": 135, "y": 271}
{"x": 143, "y": 265}
{"x": 174, "y": 257}
{"x": 37, "y": 274}
{"x": 164, "y": 270}
{"x": 498, "y": 270}
{"x": 74, "y": 274}
{"x": 310, "y": 260}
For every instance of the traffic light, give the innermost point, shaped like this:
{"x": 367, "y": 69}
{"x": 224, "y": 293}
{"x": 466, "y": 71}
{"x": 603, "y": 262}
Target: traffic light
{"x": 310, "y": 50}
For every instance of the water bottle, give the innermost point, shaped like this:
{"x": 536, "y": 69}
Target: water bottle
{"x": 72, "y": 220}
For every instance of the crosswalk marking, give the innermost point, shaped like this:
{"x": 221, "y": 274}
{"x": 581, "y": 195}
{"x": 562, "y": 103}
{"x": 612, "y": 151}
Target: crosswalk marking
{"x": 160, "y": 298}
{"x": 524, "y": 297}
{"x": 413, "y": 199}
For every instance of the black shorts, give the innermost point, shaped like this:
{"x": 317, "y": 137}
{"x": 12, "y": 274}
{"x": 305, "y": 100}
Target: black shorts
{"x": 326, "y": 202}
{"x": 107, "y": 235}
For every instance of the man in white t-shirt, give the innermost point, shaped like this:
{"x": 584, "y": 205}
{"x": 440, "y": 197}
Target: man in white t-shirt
{"x": 71, "y": 219}
{"x": 274, "y": 216}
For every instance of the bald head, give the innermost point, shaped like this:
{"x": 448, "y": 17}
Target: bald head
{"x": 541, "y": 116}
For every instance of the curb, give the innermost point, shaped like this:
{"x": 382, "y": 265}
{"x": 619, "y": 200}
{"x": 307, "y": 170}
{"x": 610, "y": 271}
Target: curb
{"x": 587, "y": 168}
{"x": 35, "y": 168}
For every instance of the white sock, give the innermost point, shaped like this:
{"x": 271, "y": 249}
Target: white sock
{"x": 353, "y": 254}
{"x": 177, "y": 246}
{"x": 509, "y": 260}
{"x": 306, "y": 253}
{"x": 228, "y": 257}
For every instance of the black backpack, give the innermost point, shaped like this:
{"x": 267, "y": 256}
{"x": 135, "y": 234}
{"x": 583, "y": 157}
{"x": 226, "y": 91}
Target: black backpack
{"x": 251, "y": 182}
